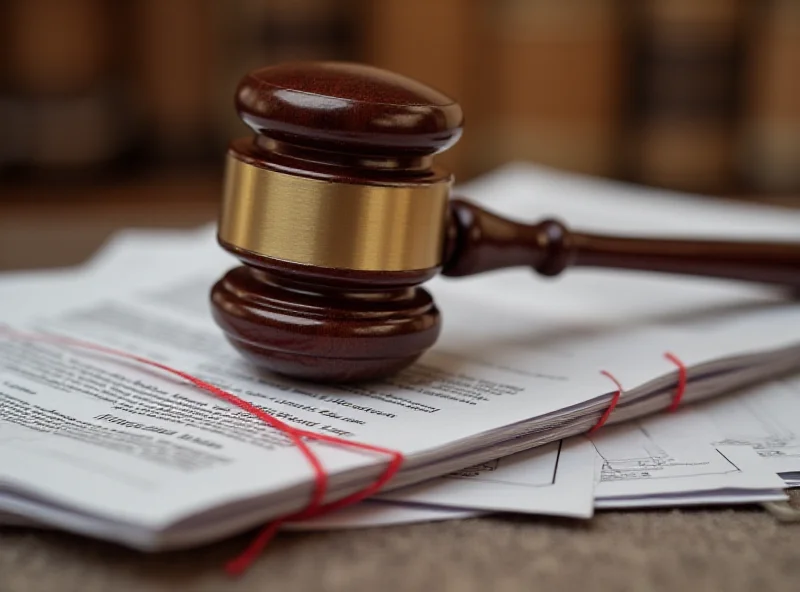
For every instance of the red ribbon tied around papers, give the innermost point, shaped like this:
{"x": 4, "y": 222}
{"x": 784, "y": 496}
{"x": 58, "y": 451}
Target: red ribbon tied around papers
{"x": 316, "y": 506}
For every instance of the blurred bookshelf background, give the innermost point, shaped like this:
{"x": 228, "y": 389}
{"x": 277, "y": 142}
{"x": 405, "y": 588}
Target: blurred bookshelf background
{"x": 120, "y": 103}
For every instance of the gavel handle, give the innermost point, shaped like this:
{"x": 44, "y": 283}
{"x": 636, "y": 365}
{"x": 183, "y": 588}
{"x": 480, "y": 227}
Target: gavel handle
{"x": 481, "y": 241}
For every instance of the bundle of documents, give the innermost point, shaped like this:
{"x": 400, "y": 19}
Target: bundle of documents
{"x": 493, "y": 418}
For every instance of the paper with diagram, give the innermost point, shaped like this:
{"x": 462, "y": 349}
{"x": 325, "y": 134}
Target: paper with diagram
{"x": 556, "y": 479}
{"x": 761, "y": 417}
{"x": 638, "y": 469}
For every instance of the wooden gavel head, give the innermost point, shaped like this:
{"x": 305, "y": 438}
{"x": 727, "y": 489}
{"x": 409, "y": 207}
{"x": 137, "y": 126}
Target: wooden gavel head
{"x": 339, "y": 214}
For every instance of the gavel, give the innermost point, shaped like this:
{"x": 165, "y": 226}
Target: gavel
{"x": 338, "y": 214}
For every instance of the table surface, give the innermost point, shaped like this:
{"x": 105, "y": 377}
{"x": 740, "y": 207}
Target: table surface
{"x": 732, "y": 549}
{"x": 50, "y": 224}
{"x": 741, "y": 550}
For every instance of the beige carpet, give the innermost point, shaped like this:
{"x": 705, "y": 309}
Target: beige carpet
{"x": 745, "y": 549}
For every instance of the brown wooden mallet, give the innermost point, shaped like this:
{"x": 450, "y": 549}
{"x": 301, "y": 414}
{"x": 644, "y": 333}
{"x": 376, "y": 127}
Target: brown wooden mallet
{"x": 339, "y": 214}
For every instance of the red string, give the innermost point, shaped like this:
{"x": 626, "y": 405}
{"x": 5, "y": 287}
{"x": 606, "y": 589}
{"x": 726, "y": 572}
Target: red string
{"x": 611, "y": 406}
{"x": 315, "y": 507}
{"x": 681, "y": 389}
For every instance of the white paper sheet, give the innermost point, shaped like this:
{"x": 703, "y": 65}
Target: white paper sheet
{"x": 555, "y": 480}
{"x": 372, "y": 514}
{"x": 131, "y": 260}
{"x": 696, "y": 499}
{"x": 367, "y": 514}
{"x": 638, "y": 464}
{"x": 764, "y": 418}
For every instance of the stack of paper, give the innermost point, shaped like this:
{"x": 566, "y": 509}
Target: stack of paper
{"x": 489, "y": 420}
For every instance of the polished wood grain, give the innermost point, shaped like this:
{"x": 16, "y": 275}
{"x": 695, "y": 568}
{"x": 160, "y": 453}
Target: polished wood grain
{"x": 485, "y": 242}
{"x": 345, "y": 122}
{"x": 348, "y": 107}
{"x": 318, "y": 324}
{"x": 354, "y": 124}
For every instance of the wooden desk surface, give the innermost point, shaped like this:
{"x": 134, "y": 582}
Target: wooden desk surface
{"x": 47, "y": 225}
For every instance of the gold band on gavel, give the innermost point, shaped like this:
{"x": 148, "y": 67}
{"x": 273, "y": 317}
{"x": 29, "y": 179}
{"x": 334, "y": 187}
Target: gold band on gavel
{"x": 335, "y": 225}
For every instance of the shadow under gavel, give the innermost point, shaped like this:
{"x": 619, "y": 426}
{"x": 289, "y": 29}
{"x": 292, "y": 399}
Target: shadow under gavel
{"x": 338, "y": 214}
